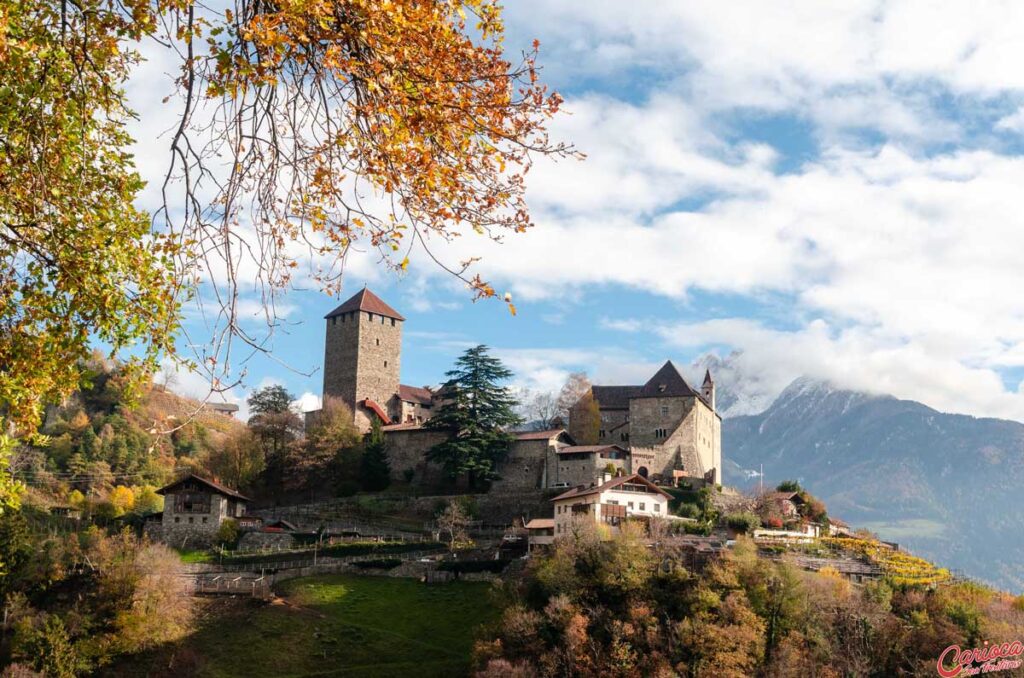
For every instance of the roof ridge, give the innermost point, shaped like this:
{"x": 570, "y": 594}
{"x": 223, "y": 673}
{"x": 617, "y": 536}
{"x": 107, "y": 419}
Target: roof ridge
{"x": 366, "y": 300}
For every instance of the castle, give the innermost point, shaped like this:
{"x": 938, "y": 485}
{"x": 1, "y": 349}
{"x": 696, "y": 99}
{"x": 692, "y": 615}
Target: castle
{"x": 362, "y": 362}
{"x": 670, "y": 429}
{"x": 663, "y": 429}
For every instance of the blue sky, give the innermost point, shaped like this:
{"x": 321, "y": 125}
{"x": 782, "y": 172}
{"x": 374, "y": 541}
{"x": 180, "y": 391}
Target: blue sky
{"x": 830, "y": 189}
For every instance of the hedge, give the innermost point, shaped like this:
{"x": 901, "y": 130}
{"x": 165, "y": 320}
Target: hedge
{"x": 378, "y": 564}
{"x": 465, "y": 566}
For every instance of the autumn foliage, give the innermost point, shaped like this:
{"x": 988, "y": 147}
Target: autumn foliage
{"x": 624, "y": 608}
{"x": 303, "y": 129}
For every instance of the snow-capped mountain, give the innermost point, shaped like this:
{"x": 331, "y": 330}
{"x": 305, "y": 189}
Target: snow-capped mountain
{"x": 946, "y": 485}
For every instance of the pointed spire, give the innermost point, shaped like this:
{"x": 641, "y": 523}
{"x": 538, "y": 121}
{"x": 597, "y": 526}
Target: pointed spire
{"x": 707, "y": 377}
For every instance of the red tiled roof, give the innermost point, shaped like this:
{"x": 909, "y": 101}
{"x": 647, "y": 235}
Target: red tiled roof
{"x": 540, "y": 524}
{"x": 365, "y": 300}
{"x": 215, "y": 486}
{"x": 611, "y": 485}
{"x": 541, "y": 435}
{"x": 415, "y": 394}
{"x": 376, "y": 409}
{"x": 666, "y": 383}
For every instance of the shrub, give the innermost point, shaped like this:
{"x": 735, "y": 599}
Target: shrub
{"x": 703, "y": 529}
{"x": 378, "y": 564}
{"x": 228, "y": 532}
{"x": 688, "y": 511}
{"x": 743, "y": 522}
{"x": 48, "y": 646}
{"x": 464, "y": 566}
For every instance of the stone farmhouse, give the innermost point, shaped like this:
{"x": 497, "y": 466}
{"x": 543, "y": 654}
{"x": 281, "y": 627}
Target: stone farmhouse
{"x": 662, "y": 430}
{"x": 194, "y": 509}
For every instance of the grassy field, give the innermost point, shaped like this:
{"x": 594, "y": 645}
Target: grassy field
{"x": 343, "y": 625}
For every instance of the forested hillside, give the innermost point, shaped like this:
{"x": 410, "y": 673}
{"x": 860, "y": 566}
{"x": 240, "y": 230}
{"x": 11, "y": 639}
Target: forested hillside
{"x": 103, "y": 450}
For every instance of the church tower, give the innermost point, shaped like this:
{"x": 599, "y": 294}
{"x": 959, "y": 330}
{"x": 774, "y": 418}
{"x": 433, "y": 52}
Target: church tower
{"x": 707, "y": 389}
{"x": 362, "y": 355}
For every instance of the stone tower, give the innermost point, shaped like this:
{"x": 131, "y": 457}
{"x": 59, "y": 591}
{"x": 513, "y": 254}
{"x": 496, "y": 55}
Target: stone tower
{"x": 707, "y": 389}
{"x": 362, "y": 355}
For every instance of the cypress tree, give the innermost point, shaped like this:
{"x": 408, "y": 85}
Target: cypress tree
{"x": 375, "y": 471}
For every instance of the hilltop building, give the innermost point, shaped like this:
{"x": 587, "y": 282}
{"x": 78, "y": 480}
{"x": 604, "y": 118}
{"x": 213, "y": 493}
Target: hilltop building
{"x": 661, "y": 430}
{"x": 362, "y": 363}
{"x": 670, "y": 429}
{"x": 611, "y": 502}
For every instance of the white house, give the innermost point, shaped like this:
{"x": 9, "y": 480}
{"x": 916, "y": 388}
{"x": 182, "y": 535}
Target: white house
{"x": 610, "y": 502}
{"x": 541, "y": 533}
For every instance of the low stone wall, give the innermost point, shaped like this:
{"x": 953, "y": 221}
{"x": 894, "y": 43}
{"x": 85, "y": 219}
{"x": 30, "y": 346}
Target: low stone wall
{"x": 257, "y": 541}
{"x": 497, "y": 506}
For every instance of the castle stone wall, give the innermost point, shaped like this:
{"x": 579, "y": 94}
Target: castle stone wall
{"x": 674, "y": 416}
{"x": 380, "y": 352}
{"x": 341, "y": 357}
{"x": 408, "y": 449}
{"x": 614, "y": 419}
{"x": 525, "y": 467}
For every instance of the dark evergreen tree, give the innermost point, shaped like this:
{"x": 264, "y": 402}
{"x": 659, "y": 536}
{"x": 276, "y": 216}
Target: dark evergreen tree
{"x": 480, "y": 413}
{"x": 374, "y": 469}
{"x": 275, "y": 425}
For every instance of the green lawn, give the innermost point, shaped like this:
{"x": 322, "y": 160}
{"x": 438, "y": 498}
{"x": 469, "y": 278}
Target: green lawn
{"x": 336, "y": 625}
{"x": 195, "y": 556}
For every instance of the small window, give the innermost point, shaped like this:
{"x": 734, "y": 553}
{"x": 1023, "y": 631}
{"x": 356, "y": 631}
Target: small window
{"x": 392, "y": 322}
{"x": 205, "y": 519}
{"x": 643, "y": 506}
{"x": 600, "y": 434}
{"x": 630, "y": 505}
{"x": 657, "y": 508}
{"x": 385, "y": 363}
{"x": 664, "y": 411}
{"x": 334, "y": 320}
{"x": 177, "y": 519}
{"x": 378, "y": 342}
{"x": 191, "y": 520}
{"x": 369, "y": 316}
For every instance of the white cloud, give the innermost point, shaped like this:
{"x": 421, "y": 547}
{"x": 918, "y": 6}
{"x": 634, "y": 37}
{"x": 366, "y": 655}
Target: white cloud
{"x": 781, "y": 55}
{"x": 856, "y": 358}
{"x": 307, "y": 402}
{"x": 902, "y": 267}
{"x": 546, "y": 369}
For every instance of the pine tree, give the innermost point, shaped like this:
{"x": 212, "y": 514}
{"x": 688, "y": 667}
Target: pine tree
{"x": 479, "y": 412}
{"x": 375, "y": 471}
